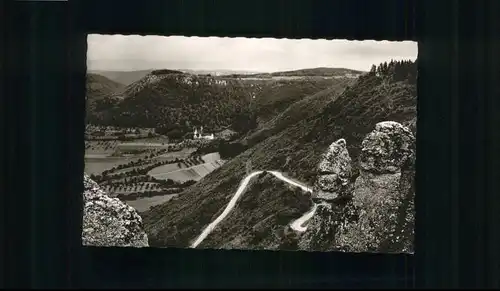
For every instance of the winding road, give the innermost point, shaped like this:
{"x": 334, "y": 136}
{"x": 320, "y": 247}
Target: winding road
{"x": 297, "y": 225}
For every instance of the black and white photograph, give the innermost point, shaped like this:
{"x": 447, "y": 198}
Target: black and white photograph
{"x": 250, "y": 143}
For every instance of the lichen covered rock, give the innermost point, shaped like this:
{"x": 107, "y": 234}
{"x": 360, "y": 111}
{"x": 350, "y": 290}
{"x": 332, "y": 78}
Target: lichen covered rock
{"x": 331, "y": 191}
{"x": 323, "y": 226}
{"x": 334, "y": 172}
{"x": 387, "y": 149}
{"x": 108, "y": 221}
{"x": 383, "y": 193}
{"x": 376, "y": 212}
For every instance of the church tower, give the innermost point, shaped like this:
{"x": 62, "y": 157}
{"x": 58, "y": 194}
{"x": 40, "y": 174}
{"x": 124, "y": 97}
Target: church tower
{"x": 195, "y": 133}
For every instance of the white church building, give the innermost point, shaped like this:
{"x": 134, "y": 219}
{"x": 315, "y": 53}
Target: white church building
{"x": 198, "y": 134}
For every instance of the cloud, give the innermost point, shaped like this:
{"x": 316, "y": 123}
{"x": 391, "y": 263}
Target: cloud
{"x": 134, "y": 52}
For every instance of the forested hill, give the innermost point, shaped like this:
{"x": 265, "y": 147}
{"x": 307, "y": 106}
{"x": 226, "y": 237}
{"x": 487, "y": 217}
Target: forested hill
{"x": 100, "y": 91}
{"x": 167, "y": 98}
{"x": 99, "y": 86}
{"x": 174, "y": 102}
{"x": 312, "y": 72}
{"x": 122, "y": 77}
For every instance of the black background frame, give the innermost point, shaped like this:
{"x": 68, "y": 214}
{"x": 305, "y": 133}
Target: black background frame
{"x": 458, "y": 144}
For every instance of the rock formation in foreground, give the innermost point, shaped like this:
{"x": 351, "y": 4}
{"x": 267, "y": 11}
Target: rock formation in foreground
{"x": 330, "y": 192}
{"x": 108, "y": 221}
{"x": 377, "y": 212}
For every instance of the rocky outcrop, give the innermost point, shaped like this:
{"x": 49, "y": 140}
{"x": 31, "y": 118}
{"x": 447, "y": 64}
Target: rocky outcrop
{"x": 377, "y": 213}
{"x": 108, "y": 221}
{"x": 334, "y": 172}
{"x": 330, "y": 192}
{"x": 387, "y": 149}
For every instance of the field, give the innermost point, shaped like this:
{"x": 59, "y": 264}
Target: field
{"x": 144, "y": 172}
{"x": 143, "y": 204}
{"x": 181, "y": 154}
{"x": 182, "y": 174}
{"x": 100, "y": 147}
{"x": 96, "y": 164}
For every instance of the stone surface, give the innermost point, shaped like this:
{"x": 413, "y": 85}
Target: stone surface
{"x": 109, "y": 221}
{"x": 322, "y": 229}
{"x": 387, "y": 149}
{"x": 383, "y": 193}
{"x": 334, "y": 172}
{"x": 376, "y": 199}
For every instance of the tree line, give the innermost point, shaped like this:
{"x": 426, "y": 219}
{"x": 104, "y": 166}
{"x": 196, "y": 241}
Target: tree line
{"x": 404, "y": 70}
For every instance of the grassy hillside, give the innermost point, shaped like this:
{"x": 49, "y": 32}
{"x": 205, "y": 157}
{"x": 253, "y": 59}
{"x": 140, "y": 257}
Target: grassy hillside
{"x": 123, "y": 77}
{"x": 299, "y": 110}
{"x": 277, "y": 96}
{"x": 295, "y": 149}
{"x": 277, "y": 206}
{"x": 99, "y": 87}
{"x": 100, "y": 91}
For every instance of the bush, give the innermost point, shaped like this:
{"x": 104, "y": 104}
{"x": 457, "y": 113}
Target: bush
{"x": 230, "y": 150}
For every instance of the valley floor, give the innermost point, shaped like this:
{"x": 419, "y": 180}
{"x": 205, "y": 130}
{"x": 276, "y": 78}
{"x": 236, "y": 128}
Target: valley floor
{"x": 145, "y": 173}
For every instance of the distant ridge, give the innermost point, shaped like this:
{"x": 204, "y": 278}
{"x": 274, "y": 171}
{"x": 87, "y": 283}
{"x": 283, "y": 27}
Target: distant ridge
{"x": 321, "y": 71}
{"x": 123, "y": 77}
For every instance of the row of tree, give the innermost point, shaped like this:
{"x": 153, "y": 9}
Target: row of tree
{"x": 397, "y": 70}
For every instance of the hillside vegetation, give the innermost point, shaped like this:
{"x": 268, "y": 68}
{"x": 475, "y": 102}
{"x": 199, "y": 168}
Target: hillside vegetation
{"x": 174, "y": 99}
{"x": 323, "y": 72}
{"x": 293, "y": 144}
{"x": 123, "y": 77}
{"x": 99, "y": 87}
{"x": 173, "y": 102}
{"x": 100, "y": 92}
{"x": 299, "y": 110}
{"x": 277, "y": 96}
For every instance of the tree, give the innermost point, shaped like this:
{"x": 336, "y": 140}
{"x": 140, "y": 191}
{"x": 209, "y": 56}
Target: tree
{"x": 175, "y": 134}
{"x": 244, "y": 122}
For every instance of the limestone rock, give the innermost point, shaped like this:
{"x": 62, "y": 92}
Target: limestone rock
{"x": 109, "y": 221}
{"x": 322, "y": 229}
{"x": 334, "y": 172}
{"x": 383, "y": 193}
{"x": 387, "y": 149}
{"x": 377, "y": 199}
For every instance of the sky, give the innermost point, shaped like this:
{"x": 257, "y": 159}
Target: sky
{"x": 135, "y": 52}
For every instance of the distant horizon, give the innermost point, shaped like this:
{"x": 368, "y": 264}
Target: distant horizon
{"x": 151, "y": 52}
{"x": 227, "y": 70}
